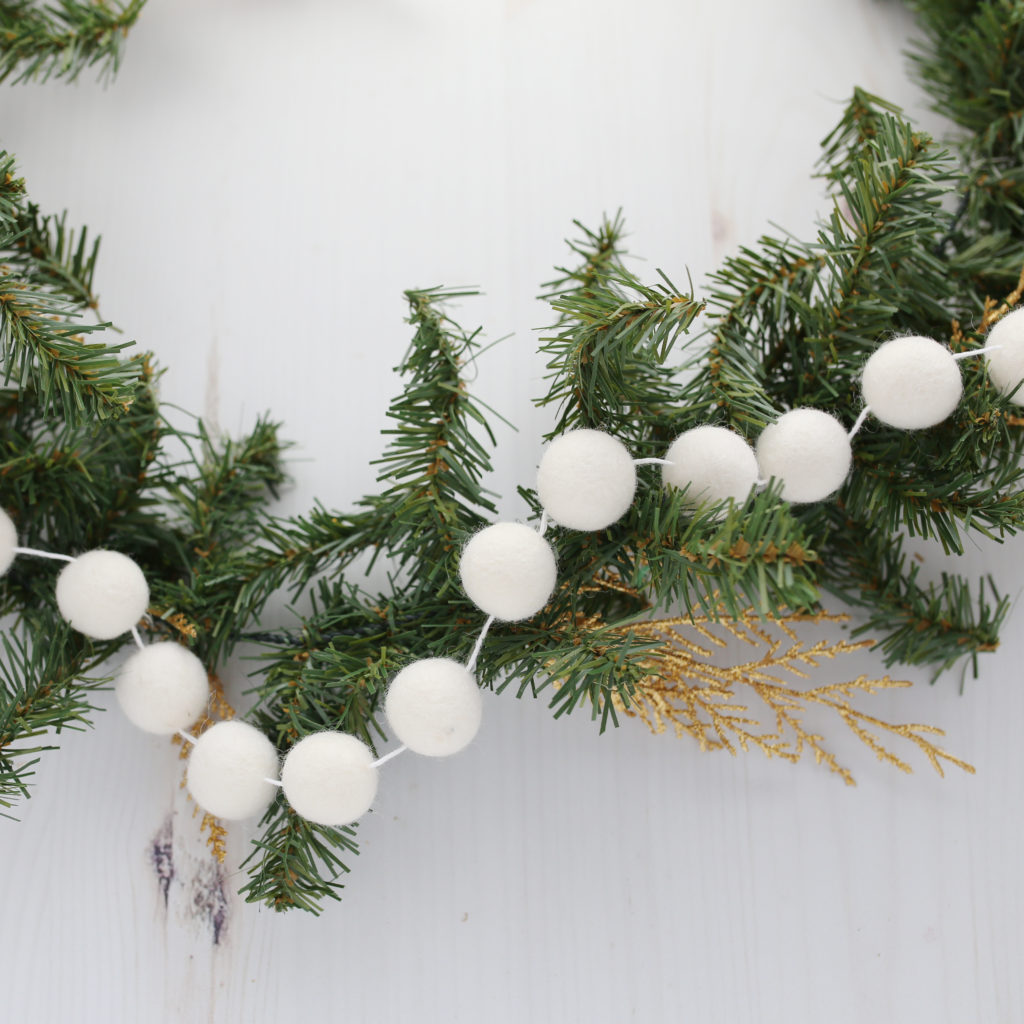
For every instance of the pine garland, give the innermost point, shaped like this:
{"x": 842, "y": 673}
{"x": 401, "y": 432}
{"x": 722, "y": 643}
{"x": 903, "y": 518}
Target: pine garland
{"x": 918, "y": 240}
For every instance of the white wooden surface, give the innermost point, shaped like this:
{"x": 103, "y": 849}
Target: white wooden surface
{"x": 268, "y": 177}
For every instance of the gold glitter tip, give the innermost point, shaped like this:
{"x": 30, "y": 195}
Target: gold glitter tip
{"x": 757, "y": 703}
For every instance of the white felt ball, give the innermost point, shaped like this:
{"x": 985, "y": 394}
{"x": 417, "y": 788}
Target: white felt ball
{"x": 508, "y": 571}
{"x": 8, "y": 541}
{"x": 808, "y": 451}
{"x": 229, "y": 768}
{"x": 714, "y": 463}
{"x": 102, "y": 594}
{"x": 163, "y": 688}
{"x": 911, "y": 383}
{"x": 329, "y": 778}
{"x": 1006, "y": 363}
{"x": 434, "y": 707}
{"x": 586, "y": 480}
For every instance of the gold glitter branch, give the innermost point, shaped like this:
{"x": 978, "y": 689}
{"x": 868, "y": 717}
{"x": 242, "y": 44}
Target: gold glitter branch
{"x": 687, "y": 690}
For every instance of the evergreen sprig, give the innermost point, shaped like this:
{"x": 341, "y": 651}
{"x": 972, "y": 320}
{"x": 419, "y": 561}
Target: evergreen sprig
{"x": 608, "y": 360}
{"x": 330, "y": 671}
{"x": 793, "y": 322}
{"x": 88, "y": 460}
{"x": 933, "y": 624}
{"x": 62, "y": 39}
{"x": 45, "y": 688}
{"x": 215, "y": 499}
{"x": 46, "y": 272}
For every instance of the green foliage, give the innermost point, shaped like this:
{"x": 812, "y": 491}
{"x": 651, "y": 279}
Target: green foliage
{"x": 971, "y": 62}
{"x": 918, "y": 239}
{"x": 329, "y": 672}
{"x": 88, "y": 460}
{"x": 45, "y": 688}
{"x": 792, "y": 324}
{"x": 46, "y": 272}
{"x": 215, "y": 500}
{"x": 63, "y": 39}
{"x": 435, "y": 463}
{"x": 608, "y": 359}
{"x": 934, "y": 624}
{"x": 294, "y": 864}
{"x": 433, "y": 470}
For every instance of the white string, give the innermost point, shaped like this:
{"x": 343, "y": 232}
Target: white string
{"x": 42, "y": 554}
{"x": 137, "y": 638}
{"x": 653, "y": 462}
{"x": 471, "y": 663}
{"x": 977, "y": 352}
{"x": 274, "y": 782}
{"x": 187, "y": 736}
{"x": 859, "y": 422}
{"x": 542, "y": 526}
{"x": 387, "y": 757}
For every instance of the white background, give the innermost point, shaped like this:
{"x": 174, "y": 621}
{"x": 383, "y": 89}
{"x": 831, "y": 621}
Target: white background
{"x": 268, "y": 177}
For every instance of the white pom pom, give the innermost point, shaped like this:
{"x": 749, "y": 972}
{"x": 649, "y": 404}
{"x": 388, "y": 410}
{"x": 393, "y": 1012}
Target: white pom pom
{"x": 163, "y": 688}
{"x": 329, "y": 778}
{"x": 434, "y": 707}
{"x": 586, "y": 480}
{"x": 1006, "y": 363}
{"x": 8, "y": 541}
{"x": 808, "y": 451}
{"x": 911, "y": 383}
{"x": 508, "y": 571}
{"x": 102, "y": 594}
{"x": 714, "y": 463}
{"x": 228, "y": 771}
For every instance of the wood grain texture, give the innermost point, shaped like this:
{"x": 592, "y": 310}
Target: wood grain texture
{"x": 268, "y": 177}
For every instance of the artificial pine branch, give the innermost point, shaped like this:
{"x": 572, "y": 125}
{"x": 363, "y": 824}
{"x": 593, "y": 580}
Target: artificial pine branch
{"x": 214, "y": 507}
{"x": 330, "y": 672}
{"x": 435, "y": 462}
{"x": 57, "y": 258}
{"x": 61, "y": 40}
{"x": 45, "y": 285}
{"x": 608, "y": 359}
{"x": 88, "y": 460}
{"x": 795, "y": 322}
{"x": 935, "y": 624}
{"x": 45, "y": 688}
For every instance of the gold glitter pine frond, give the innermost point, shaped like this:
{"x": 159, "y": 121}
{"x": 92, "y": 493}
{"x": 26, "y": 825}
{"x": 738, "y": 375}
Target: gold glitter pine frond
{"x": 216, "y": 839}
{"x": 687, "y": 690}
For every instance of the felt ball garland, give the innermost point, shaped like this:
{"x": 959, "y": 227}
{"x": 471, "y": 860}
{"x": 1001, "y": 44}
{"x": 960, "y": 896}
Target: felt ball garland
{"x": 809, "y": 451}
{"x": 330, "y": 778}
{"x": 711, "y": 464}
{"x": 911, "y": 383}
{"x": 586, "y": 480}
{"x": 434, "y": 707}
{"x": 8, "y": 542}
{"x": 508, "y": 571}
{"x": 162, "y": 688}
{"x": 102, "y": 594}
{"x": 230, "y": 769}
{"x": 1005, "y": 355}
